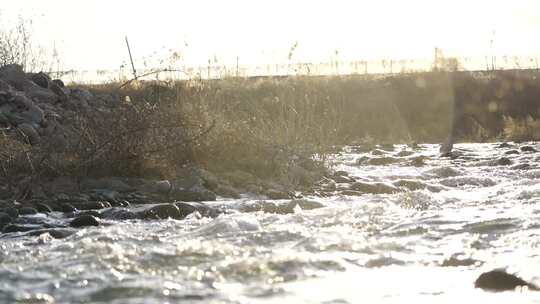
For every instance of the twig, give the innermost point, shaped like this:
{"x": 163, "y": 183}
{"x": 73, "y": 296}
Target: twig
{"x": 150, "y": 73}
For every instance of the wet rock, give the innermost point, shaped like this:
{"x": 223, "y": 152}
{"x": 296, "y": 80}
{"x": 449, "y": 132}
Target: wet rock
{"x": 510, "y": 152}
{"x": 93, "y": 213}
{"x": 527, "y": 149}
{"x": 27, "y": 211}
{"x": 504, "y": 161}
{"x": 378, "y": 152}
{"x": 20, "y": 228}
{"x": 504, "y": 145}
{"x": 84, "y": 221}
{"x": 5, "y": 219}
{"x": 374, "y": 188}
{"x": 162, "y": 211}
{"x": 120, "y": 203}
{"x": 410, "y": 184}
{"x": 203, "y": 209}
{"x": 523, "y": 166}
{"x": 418, "y": 161}
{"x": 67, "y": 208}
{"x": 457, "y": 262}
{"x": 116, "y": 213}
{"x": 383, "y": 261}
{"x": 12, "y": 212}
{"x": 343, "y": 179}
{"x": 277, "y": 194}
{"x": 57, "y": 233}
{"x": 499, "y": 280}
{"x": 43, "y": 208}
{"x": 91, "y": 205}
{"x": 281, "y": 207}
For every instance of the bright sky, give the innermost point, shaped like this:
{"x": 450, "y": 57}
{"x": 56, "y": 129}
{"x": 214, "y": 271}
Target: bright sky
{"x": 90, "y": 34}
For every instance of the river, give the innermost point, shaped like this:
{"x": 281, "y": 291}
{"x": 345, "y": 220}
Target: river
{"x": 460, "y": 217}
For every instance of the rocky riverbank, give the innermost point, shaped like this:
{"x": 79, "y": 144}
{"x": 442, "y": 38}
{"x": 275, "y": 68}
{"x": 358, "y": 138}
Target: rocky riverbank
{"x": 42, "y": 189}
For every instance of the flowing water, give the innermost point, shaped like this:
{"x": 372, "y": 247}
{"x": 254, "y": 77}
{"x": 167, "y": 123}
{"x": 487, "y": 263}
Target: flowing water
{"x": 464, "y": 216}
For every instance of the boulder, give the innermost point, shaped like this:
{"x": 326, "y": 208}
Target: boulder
{"x": 499, "y": 280}
{"x": 84, "y": 221}
{"x": 202, "y": 209}
{"x": 161, "y": 211}
{"x": 29, "y": 132}
{"x": 41, "y": 79}
{"x": 375, "y": 188}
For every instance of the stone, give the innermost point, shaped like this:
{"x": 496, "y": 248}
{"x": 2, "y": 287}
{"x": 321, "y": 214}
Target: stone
{"x": 85, "y": 220}
{"x": 375, "y": 188}
{"x": 499, "y": 280}
{"x": 27, "y": 211}
{"x": 14, "y": 75}
{"x": 116, "y": 213}
{"x": 43, "y": 208}
{"x": 504, "y": 161}
{"x": 56, "y": 89}
{"x": 41, "y": 79}
{"x": 57, "y": 233}
{"x": 59, "y": 82}
{"x": 5, "y": 219}
{"x": 510, "y": 152}
{"x": 203, "y": 209}
{"x": 341, "y": 179}
{"x": 29, "y": 133}
{"x": 20, "y": 228}
{"x": 504, "y": 145}
{"x": 162, "y": 211}
{"x": 276, "y": 194}
{"x": 457, "y": 262}
{"x": 67, "y": 208}
{"x": 91, "y": 205}
{"x": 12, "y": 212}
{"x": 528, "y": 149}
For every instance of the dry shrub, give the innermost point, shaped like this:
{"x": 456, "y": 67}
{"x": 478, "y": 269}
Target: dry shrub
{"x": 523, "y": 129}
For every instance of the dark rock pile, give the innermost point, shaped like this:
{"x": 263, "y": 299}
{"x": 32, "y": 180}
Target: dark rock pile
{"x": 41, "y": 109}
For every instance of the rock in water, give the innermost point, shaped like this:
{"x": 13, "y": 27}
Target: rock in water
{"x": 85, "y": 220}
{"x": 499, "y": 280}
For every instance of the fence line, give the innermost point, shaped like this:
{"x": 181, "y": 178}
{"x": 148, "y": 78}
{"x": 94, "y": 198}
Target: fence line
{"x": 360, "y": 67}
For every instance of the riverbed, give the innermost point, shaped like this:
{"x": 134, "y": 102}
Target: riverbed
{"x": 449, "y": 220}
